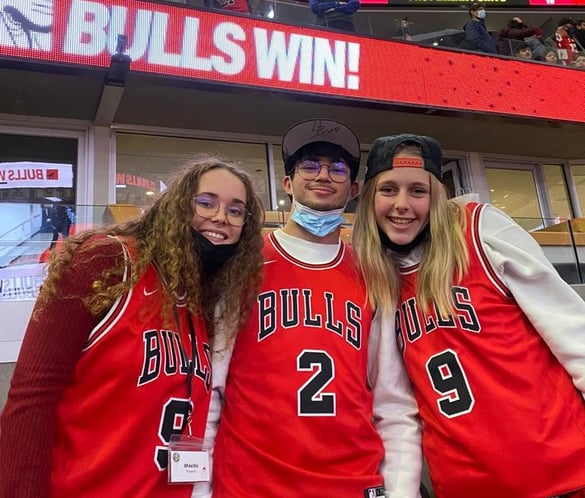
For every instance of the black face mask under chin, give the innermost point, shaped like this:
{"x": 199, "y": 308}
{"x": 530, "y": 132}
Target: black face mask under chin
{"x": 212, "y": 256}
{"x": 421, "y": 237}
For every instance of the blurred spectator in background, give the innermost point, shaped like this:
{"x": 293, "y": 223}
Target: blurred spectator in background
{"x": 579, "y": 60}
{"x": 477, "y": 36}
{"x": 405, "y": 29}
{"x": 234, "y": 6}
{"x": 523, "y": 51}
{"x": 550, "y": 56}
{"x": 517, "y": 31}
{"x": 336, "y": 15}
{"x": 579, "y": 33}
{"x": 261, "y": 8}
{"x": 60, "y": 222}
{"x": 563, "y": 41}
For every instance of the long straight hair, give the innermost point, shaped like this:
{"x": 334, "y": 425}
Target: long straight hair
{"x": 445, "y": 258}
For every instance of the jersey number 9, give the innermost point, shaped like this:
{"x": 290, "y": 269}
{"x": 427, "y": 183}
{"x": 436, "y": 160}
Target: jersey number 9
{"x": 448, "y": 379}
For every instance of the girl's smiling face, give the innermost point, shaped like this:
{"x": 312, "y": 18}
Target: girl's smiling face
{"x": 219, "y": 185}
{"x": 402, "y": 203}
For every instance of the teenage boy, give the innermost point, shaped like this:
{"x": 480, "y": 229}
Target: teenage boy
{"x": 311, "y": 404}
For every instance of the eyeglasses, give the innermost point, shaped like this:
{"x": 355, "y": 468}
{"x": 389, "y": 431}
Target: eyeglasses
{"x": 208, "y": 206}
{"x": 310, "y": 169}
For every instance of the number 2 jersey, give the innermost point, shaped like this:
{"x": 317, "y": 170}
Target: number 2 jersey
{"x": 128, "y": 394}
{"x": 297, "y": 416}
{"x": 501, "y": 414}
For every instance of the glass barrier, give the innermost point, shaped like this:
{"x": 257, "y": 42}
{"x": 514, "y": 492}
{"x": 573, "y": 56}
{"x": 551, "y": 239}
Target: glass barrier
{"x": 563, "y": 243}
{"x": 28, "y": 233}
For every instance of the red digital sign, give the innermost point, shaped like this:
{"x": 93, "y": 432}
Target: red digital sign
{"x": 552, "y": 3}
{"x": 247, "y": 51}
{"x": 488, "y": 3}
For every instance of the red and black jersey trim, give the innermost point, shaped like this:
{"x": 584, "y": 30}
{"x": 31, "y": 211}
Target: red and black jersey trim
{"x": 325, "y": 266}
{"x": 117, "y": 309}
{"x": 476, "y": 212}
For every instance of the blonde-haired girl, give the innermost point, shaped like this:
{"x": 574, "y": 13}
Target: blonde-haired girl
{"x": 492, "y": 338}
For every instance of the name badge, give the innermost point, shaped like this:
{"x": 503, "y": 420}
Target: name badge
{"x": 188, "y": 460}
{"x": 188, "y": 466}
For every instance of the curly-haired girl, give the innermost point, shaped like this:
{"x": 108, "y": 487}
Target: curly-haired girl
{"x": 116, "y": 357}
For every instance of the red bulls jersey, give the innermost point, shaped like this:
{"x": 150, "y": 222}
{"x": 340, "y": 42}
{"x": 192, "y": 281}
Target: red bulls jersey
{"x": 128, "y": 394}
{"x": 501, "y": 416}
{"x": 297, "y": 418}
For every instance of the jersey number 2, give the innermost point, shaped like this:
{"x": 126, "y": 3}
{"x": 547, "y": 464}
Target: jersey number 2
{"x": 311, "y": 401}
{"x": 448, "y": 378}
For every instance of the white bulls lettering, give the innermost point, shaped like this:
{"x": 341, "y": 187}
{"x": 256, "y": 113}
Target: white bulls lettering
{"x": 93, "y": 27}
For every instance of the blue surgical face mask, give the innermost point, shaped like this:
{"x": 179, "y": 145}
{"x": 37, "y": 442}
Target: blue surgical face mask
{"x": 481, "y": 14}
{"x": 319, "y": 223}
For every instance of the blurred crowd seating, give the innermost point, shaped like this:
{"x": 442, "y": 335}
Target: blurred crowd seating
{"x": 397, "y": 26}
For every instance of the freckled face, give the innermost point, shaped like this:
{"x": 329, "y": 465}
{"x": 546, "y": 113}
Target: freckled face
{"x": 402, "y": 203}
{"x": 224, "y": 187}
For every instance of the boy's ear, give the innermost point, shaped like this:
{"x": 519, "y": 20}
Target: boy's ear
{"x": 354, "y": 190}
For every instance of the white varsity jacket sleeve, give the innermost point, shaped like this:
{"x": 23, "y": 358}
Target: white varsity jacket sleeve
{"x": 555, "y": 310}
{"x": 395, "y": 411}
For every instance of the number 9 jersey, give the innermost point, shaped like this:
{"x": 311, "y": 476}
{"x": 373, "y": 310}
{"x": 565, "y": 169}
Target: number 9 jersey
{"x": 501, "y": 415}
{"x": 127, "y": 396}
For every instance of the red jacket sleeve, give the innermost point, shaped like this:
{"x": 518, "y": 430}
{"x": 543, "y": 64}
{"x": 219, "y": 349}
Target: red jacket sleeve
{"x": 50, "y": 350}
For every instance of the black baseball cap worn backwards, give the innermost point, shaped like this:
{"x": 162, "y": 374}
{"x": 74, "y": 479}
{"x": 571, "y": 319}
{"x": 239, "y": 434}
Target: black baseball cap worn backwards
{"x": 381, "y": 157}
{"x": 318, "y": 131}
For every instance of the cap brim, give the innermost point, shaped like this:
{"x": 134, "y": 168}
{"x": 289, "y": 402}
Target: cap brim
{"x": 319, "y": 130}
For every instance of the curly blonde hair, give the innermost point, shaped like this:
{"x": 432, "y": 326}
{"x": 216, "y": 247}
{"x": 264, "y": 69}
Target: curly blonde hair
{"x": 162, "y": 236}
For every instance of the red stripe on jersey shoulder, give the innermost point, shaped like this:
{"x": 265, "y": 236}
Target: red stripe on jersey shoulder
{"x": 476, "y": 213}
{"x": 325, "y": 266}
{"x": 117, "y": 309}
{"x": 407, "y": 270}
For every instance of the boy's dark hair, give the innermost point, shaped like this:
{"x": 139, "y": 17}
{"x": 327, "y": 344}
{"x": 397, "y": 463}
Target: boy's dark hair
{"x": 474, "y": 7}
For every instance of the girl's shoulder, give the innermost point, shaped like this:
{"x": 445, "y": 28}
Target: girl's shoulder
{"x": 103, "y": 251}
{"x": 109, "y": 244}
